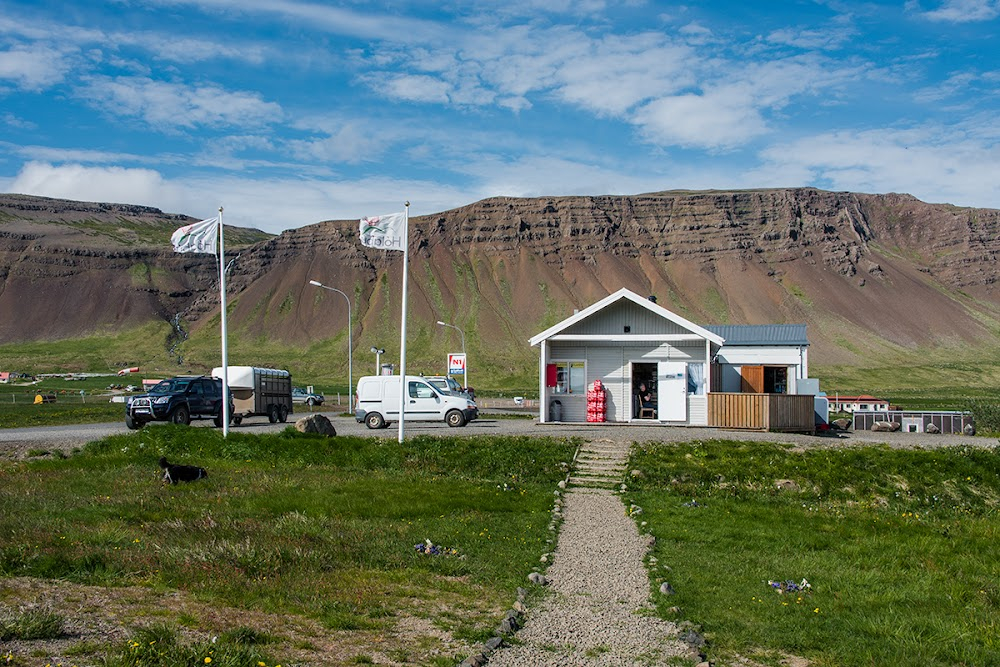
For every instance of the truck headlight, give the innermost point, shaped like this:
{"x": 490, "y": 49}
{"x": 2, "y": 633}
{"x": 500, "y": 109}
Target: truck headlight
{"x": 160, "y": 400}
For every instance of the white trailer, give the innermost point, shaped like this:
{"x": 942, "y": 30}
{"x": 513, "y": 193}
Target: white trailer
{"x": 259, "y": 391}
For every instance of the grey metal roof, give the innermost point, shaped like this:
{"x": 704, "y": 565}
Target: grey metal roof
{"x": 761, "y": 334}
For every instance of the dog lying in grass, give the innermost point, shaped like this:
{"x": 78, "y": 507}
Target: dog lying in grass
{"x": 174, "y": 473}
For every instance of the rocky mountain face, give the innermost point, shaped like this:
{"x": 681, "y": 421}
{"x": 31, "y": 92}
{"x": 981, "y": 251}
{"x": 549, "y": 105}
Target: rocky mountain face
{"x": 870, "y": 274}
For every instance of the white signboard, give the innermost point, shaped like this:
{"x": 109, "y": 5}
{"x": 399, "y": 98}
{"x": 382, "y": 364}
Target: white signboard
{"x": 456, "y": 364}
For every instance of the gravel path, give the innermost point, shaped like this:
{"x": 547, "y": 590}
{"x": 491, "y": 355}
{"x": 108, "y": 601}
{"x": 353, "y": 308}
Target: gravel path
{"x": 598, "y": 611}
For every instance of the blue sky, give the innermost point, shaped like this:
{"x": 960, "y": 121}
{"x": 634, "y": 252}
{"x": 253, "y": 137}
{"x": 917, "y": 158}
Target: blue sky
{"x": 288, "y": 112}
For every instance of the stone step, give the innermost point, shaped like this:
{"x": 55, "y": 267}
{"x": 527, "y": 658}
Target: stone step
{"x": 603, "y": 459}
{"x": 602, "y": 478}
{"x": 594, "y": 482}
{"x": 604, "y": 463}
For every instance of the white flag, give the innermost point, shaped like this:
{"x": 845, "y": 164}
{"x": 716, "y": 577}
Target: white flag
{"x": 198, "y": 237}
{"x": 387, "y": 232}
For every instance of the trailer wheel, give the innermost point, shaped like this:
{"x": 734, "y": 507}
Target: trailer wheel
{"x": 283, "y": 414}
{"x": 455, "y": 418}
{"x": 272, "y": 413}
{"x": 374, "y": 420}
{"x": 237, "y": 420}
{"x": 180, "y": 415}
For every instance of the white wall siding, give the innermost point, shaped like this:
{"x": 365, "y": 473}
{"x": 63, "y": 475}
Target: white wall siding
{"x": 612, "y": 321}
{"x": 760, "y": 356}
{"x": 697, "y": 410}
{"x": 605, "y": 363}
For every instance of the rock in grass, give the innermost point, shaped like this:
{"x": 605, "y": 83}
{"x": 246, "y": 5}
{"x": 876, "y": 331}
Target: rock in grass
{"x": 537, "y": 578}
{"x": 316, "y": 424}
{"x": 666, "y": 588}
{"x": 693, "y": 639}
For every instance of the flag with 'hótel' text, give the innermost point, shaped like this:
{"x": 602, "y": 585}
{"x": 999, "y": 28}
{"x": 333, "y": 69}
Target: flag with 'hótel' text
{"x": 387, "y": 232}
{"x": 198, "y": 237}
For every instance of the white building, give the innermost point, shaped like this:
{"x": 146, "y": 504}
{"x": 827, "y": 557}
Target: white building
{"x": 632, "y": 345}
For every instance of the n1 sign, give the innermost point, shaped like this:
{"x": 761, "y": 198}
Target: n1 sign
{"x": 456, "y": 364}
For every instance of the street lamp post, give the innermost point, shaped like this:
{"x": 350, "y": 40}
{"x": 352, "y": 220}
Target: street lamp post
{"x": 465, "y": 378}
{"x": 378, "y": 359}
{"x": 350, "y": 344}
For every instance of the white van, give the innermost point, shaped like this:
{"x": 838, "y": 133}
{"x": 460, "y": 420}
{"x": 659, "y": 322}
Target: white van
{"x": 378, "y": 402}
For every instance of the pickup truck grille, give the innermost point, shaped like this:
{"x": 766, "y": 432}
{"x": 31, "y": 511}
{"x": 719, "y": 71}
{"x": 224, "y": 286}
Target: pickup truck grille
{"x": 142, "y": 403}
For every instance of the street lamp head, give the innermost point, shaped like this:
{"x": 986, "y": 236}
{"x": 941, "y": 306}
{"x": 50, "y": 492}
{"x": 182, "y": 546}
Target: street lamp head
{"x": 316, "y": 283}
{"x": 442, "y": 323}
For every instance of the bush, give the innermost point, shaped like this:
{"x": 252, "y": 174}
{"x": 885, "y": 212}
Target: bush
{"x": 986, "y": 413}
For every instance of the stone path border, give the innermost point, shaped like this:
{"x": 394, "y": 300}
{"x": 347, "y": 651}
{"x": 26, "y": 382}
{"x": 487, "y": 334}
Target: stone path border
{"x": 598, "y": 611}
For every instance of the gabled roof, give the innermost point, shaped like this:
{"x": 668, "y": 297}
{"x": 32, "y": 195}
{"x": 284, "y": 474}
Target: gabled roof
{"x": 761, "y": 334}
{"x": 621, "y": 294}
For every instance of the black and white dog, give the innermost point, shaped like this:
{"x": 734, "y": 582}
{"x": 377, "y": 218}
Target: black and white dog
{"x": 179, "y": 473}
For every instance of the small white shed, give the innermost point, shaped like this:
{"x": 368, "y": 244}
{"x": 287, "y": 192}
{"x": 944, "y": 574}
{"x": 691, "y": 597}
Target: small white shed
{"x": 637, "y": 348}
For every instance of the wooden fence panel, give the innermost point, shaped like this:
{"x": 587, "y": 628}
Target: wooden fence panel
{"x": 761, "y": 412}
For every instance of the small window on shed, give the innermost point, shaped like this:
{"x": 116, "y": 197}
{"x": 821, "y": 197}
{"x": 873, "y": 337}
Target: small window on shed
{"x": 570, "y": 377}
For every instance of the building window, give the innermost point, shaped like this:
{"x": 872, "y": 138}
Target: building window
{"x": 570, "y": 378}
{"x": 696, "y": 379}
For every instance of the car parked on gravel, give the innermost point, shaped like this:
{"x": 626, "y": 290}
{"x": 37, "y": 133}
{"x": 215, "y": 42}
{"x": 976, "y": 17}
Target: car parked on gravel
{"x": 178, "y": 400}
{"x": 300, "y": 395}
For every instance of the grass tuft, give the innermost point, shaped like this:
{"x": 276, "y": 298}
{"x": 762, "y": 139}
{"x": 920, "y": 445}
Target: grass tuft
{"x": 31, "y": 626}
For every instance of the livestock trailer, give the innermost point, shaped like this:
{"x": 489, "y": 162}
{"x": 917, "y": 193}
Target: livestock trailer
{"x": 259, "y": 391}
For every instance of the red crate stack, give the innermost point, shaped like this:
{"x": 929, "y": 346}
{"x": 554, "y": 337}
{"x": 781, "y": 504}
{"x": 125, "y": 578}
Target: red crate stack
{"x": 596, "y": 403}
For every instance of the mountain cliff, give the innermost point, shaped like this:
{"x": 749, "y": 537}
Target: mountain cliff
{"x": 871, "y": 275}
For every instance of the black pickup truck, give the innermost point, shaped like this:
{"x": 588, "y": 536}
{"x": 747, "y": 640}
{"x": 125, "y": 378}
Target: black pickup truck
{"x": 178, "y": 400}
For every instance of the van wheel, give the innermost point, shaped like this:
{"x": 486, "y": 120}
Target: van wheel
{"x": 374, "y": 420}
{"x": 455, "y": 418}
{"x": 283, "y": 414}
{"x": 181, "y": 415}
{"x": 272, "y": 413}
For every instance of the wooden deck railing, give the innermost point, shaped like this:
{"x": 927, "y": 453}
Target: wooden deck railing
{"x": 762, "y": 412}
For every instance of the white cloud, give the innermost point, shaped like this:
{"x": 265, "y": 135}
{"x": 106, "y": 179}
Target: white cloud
{"x": 616, "y": 73}
{"x": 413, "y": 87}
{"x": 965, "y": 11}
{"x": 538, "y": 175}
{"x": 10, "y": 120}
{"x": 350, "y": 142}
{"x": 166, "y": 105}
{"x": 33, "y": 67}
{"x": 816, "y": 39}
{"x": 101, "y": 184}
{"x": 715, "y": 120}
{"x": 270, "y": 204}
{"x": 934, "y": 163}
{"x": 336, "y": 20}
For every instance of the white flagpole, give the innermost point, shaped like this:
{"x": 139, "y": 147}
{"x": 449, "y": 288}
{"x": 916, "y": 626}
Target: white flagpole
{"x": 225, "y": 346}
{"x": 402, "y": 333}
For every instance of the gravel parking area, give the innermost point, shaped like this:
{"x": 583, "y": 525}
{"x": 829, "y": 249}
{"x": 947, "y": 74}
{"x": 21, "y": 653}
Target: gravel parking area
{"x": 18, "y": 443}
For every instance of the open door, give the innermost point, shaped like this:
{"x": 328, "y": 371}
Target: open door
{"x": 672, "y": 391}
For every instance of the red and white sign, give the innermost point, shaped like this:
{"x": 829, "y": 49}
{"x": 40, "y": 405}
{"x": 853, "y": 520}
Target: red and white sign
{"x": 456, "y": 364}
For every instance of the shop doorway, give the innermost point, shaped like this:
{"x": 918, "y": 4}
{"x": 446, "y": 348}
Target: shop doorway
{"x": 644, "y": 395}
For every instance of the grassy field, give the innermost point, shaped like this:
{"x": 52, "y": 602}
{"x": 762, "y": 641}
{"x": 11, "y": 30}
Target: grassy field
{"x": 899, "y": 549}
{"x": 299, "y": 527}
